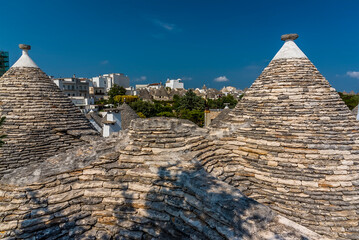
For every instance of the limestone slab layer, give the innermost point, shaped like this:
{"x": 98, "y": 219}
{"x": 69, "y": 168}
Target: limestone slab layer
{"x": 143, "y": 184}
{"x": 40, "y": 119}
{"x": 292, "y": 144}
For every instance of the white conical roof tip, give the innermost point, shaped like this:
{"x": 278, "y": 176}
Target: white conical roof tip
{"x": 289, "y": 49}
{"x": 25, "y": 60}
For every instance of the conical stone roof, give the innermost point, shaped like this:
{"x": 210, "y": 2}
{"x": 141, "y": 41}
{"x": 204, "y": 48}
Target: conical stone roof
{"x": 127, "y": 115}
{"x": 40, "y": 119}
{"x": 220, "y": 118}
{"x": 296, "y": 146}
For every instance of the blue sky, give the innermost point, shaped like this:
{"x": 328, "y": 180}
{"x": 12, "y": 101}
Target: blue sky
{"x": 217, "y": 43}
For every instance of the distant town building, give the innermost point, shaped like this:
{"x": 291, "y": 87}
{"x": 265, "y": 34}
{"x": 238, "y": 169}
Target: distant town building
{"x": 160, "y": 94}
{"x": 82, "y": 102}
{"x": 4, "y": 62}
{"x": 107, "y": 81}
{"x": 74, "y": 87}
{"x": 144, "y": 94}
{"x": 208, "y": 93}
{"x": 131, "y": 91}
{"x": 174, "y": 83}
{"x": 141, "y": 86}
{"x": 154, "y": 85}
{"x": 113, "y": 120}
{"x": 236, "y": 93}
{"x": 78, "y": 90}
{"x": 148, "y": 86}
{"x": 96, "y": 92}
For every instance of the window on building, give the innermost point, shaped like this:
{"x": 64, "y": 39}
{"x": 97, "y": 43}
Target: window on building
{"x": 73, "y": 87}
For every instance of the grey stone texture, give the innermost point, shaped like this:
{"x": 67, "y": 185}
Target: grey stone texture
{"x": 40, "y": 119}
{"x": 220, "y": 118}
{"x": 282, "y": 165}
{"x": 292, "y": 144}
{"x": 355, "y": 111}
{"x": 127, "y": 115}
{"x": 152, "y": 188}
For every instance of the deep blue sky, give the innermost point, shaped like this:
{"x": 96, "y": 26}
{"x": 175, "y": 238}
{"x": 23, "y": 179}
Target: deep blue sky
{"x": 195, "y": 40}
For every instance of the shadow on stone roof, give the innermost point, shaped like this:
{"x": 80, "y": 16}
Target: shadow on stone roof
{"x": 136, "y": 193}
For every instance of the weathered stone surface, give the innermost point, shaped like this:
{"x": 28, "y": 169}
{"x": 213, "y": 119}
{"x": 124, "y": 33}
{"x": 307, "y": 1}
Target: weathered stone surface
{"x": 311, "y": 166}
{"x": 39, "y": 118}
{"x": 290, "y": 143}
{"x": 164, "y": 195}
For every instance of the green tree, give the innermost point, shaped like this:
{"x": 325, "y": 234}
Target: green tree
{"x": 146, "y": 108}
{"x": 350, "y": 100}
{"x": 114, "y": 91}
{"x": 176, "y": 101}
{"x": 196, "y": 116}
{"x": 191, "y": 101}
{"x": 101, "y": 101}
{"x": 125, "y": 98}
{"x": 2, "y": 120}
{"x": 162, "y": 107}
{"x": 220, "y": 102}
{"x": 141, "y": 115}
{"x": 190, "y": 107}
{"x": 165, "y": 114}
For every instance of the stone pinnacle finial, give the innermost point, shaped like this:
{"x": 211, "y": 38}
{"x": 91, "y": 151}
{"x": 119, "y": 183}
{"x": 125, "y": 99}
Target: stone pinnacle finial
{"x": 291, "y": 36}
{"x": 24, "y": 47}
{"x": 25, "y": 60}
{"x": 289, "y": 48}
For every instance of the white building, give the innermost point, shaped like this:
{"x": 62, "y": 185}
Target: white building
{"x": 154, "y": 86}
{"x": 112, "y": 122}
{"x": 115, "y": 119}
{"x": 174, "y": 83}
{"x": 141, "y": 86}
{"x": 107, "y": 81}
{"x": 78, "y": 90}
{"x": 74, "y": 87}
{"x": 82, "y": 101}
{"x": 131, "y": 91}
